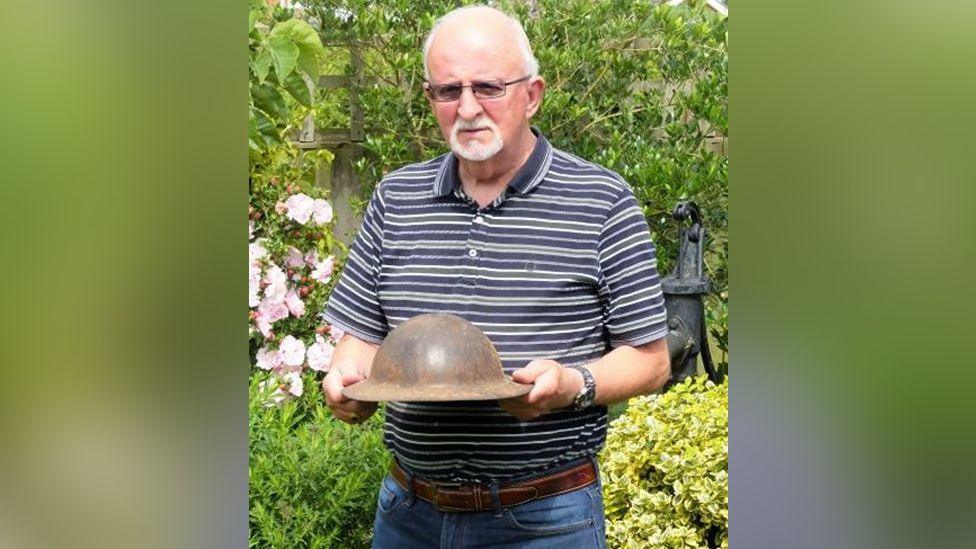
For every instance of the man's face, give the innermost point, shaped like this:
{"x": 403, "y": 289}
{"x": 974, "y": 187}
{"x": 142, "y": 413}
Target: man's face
{"x": 478, "y": 128}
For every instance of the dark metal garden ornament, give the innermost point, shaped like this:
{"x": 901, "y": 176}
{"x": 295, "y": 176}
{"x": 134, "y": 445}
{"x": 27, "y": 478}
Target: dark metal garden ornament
{"x": 683, "y": 291}
{"x": 436, "y": 357}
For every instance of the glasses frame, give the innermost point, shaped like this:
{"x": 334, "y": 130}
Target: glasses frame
{"x": 429, "y": 88}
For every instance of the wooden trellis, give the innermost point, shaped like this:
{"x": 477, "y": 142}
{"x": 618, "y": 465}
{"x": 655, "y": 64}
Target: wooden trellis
{"x": 340, "y": 178}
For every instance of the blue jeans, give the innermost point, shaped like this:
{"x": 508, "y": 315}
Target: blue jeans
{"x": 573, "y": 520}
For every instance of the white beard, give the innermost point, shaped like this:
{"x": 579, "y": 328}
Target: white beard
{"x": 474, "y": 150}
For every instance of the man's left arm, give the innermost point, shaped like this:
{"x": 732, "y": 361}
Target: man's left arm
{"x": 622, "y": 373}
{"x": 636, "y": 314}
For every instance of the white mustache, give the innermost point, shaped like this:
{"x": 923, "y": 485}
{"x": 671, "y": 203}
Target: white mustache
{"x": 476, "y": 124}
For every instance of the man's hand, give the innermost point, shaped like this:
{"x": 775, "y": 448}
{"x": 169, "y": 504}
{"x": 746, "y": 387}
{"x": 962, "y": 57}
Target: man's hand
{"x": 555, "y": 387}
{"x": 344, "y": 372}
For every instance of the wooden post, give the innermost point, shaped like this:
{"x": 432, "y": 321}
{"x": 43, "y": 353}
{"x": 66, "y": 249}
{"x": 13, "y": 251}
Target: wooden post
{"x": 343, "y": 185}
{"x": 340, "y": 178}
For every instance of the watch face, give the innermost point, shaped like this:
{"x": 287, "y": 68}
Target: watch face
{"x": 588, "y": 395}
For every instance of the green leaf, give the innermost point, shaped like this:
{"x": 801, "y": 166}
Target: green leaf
{"x": 284, "y": 53}
{"x": 268, "y": 99}
{"x": 262, "y": 64}
{"x": 252, "y": 18}
{"x": 303, "y": 35}
{"x": 264, "y": 129}
{"x": 299, "y": 89}
{"x": 308, "y": 62}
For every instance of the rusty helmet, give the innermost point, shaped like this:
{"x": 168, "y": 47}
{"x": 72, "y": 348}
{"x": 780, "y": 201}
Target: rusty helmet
{"x": 436, "y": 357}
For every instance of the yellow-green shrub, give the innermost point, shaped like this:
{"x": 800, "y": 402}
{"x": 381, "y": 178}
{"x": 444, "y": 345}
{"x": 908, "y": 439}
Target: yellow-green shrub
{"x": 665, "y": 469}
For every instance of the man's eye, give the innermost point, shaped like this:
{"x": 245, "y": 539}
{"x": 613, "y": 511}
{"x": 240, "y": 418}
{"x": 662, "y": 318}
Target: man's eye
{"x": 449, "y": 89}
{"x": 487, "y": 88}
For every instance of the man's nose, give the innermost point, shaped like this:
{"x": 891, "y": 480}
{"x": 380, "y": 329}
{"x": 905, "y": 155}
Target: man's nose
{"x": 468, "y": 105}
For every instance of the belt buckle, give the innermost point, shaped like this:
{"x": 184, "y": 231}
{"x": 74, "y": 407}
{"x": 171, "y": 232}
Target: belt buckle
{"x": 438, "y": 487}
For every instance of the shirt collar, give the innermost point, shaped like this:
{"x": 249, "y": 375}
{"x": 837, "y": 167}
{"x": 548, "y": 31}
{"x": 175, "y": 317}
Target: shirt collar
{"x": 525, "y": 179}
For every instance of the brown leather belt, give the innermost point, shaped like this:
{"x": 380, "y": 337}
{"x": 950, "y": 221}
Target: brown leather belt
{"x": 455, "y": 497}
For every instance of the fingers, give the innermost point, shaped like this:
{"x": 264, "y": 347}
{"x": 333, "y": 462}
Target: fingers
{"x": 546, "y": 379}
{"x": 532, "y": 370}
{"x": 343, "y": 374}
{"x": 545, "y": 387}
{"x": 354, "y": 411}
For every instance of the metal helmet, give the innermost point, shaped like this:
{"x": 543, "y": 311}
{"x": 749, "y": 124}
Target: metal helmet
{"x": 436, "y": 357}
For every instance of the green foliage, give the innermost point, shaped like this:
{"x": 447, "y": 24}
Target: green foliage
{"x": 312, "y": 479}
{"x": 637, "y": 86}
{"x": 284, "y": 58}
{"x": 665, "y": 469}
{"x": 285, "y": 55}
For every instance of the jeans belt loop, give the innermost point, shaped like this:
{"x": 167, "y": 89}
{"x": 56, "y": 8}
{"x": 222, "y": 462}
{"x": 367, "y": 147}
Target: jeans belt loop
{"x": 410, "y": 487}
{"x": 496, "y": 500}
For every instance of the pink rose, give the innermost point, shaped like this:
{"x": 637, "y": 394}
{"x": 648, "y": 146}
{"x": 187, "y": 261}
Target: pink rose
{"x": 292, "y": 351}
{"x": 255, "y": 251}
{"x": 323, "y": 269}
{"x": 272, "y": 311}
{"x": 277, "y": 284}
{"x": 336, "y": 334}
{"x": 321, "y": 211}
{"x": 263, "y": 326}
{"x": 293, "y": 258}
{"x": 294, "y": 381}
{"x": 312, "y": 258}
{"x": 253, "y": 285}
{"x": 295, "y": 303}
{"x": 275, "y": 275}
{"x": 285, "y": 386}
{"x": 267, "y": 360}
{"x": 299, "y": 207}
{"x": 320, "y": 354}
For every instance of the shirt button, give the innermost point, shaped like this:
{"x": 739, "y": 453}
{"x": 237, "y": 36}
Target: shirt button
{"x": 472, "y": 253}
{"x": 479, "y": 219}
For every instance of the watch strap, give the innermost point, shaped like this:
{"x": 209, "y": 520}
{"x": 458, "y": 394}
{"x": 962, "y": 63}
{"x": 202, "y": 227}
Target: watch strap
{"x": 584, "y": 399}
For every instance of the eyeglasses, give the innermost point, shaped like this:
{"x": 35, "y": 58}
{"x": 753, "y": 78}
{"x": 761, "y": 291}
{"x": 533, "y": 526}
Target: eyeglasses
{"x": 489, "y": 89}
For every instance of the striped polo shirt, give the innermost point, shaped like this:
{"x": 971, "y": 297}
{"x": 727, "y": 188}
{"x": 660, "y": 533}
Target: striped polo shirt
{"x": 561, "y": 266}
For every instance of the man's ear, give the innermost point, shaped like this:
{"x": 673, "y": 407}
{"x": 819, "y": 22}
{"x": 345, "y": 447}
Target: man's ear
{"x": 536, "y": 87}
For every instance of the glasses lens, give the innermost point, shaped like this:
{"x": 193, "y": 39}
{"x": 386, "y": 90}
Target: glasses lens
{"x": 447, "y": 92}
{"x": 488, "y": 89}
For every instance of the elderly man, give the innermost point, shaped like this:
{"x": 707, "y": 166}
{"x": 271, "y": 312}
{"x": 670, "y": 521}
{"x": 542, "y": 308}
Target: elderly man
{"x": 551, "y": 257}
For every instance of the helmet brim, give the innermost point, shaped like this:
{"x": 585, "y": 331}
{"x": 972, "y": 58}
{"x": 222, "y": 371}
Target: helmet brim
{"x": 370, "y": 391}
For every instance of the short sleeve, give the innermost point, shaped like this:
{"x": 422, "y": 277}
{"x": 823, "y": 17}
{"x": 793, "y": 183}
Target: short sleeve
{"x": 354, "y": 304}
{"x": 630, "y": 283}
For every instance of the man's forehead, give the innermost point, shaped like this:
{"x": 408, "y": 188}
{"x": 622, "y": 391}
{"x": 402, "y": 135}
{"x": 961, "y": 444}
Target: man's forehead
{"x": 485, "y": 67}
{"x": 473, "y": 58}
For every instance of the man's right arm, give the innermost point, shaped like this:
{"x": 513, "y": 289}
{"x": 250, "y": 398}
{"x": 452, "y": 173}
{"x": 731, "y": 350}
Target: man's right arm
{"x": 351, "y": 363}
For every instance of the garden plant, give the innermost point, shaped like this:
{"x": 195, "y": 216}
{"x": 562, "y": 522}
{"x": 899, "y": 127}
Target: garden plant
{"x": 311, "y": 479}
{"x": 665, "y": 469}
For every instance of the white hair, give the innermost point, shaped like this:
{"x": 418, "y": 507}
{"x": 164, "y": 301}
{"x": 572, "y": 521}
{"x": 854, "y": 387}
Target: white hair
{"x": 531, "y": 63}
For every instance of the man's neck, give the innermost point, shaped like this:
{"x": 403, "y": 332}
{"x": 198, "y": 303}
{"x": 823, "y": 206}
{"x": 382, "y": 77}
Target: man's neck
{"x": 484, "y": 181}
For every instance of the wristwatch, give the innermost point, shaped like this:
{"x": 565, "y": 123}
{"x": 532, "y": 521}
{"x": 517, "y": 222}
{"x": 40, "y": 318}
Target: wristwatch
{"x": 584, "y": 399}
